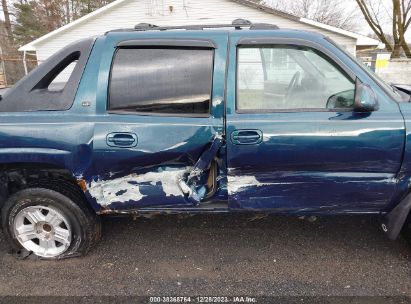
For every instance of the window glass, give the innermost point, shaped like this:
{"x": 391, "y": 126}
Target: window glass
{"x": 390, "y": 89}
{"x": 60, "y": 81}
{"x": 162, "y": 80}
{"x": 290, "y": 77}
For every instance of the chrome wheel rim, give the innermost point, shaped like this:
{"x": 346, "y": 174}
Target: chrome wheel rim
{"x": 43, "y": 230}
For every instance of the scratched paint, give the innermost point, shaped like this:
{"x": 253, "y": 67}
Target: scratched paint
{"x": 128, "y": 188}
{"x": 240, "y": 183}
{"x": 218, "y": 101}
{"x": 117, "y": 190}
{"x": 176, "y": 146}
{"x": 327, "y": 133}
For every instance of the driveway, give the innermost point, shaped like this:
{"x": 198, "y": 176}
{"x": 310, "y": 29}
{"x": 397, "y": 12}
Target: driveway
{"x": 223, "y": 255}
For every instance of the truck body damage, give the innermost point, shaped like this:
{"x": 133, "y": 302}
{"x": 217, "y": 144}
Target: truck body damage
{"x": 131, "y": 187}
{"x": 207, "y": 155}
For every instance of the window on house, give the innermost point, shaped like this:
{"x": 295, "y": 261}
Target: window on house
{"x": 161, "y": 80}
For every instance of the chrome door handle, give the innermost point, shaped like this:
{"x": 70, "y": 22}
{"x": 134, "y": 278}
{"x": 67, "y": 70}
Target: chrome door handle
{"x": 246, "y": 137}
{"x": 122, "y": 140}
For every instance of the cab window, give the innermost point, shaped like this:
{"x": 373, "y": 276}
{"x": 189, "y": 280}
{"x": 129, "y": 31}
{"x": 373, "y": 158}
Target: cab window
{"x": 287, "y": 77}
{"x": 162, "y": 81}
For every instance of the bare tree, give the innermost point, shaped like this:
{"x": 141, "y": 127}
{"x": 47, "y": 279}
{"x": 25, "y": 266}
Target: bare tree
{"x": 401, "y": 21}
{"x": 375, "y": 13}
{"x": 7, "y": 22}
{"x": 331, "y": 12}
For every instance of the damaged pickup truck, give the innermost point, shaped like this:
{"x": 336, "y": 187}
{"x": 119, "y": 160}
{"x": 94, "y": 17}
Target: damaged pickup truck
{"x": 210, "y": 118}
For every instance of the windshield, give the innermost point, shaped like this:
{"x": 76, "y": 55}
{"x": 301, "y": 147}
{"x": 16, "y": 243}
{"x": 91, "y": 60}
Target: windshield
{"x": 389, "y": 89}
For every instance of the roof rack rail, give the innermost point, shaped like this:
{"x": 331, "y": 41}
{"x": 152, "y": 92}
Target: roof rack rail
{"x": 144, "y": 26}
{"x": 263, "y": 26}
{"x": 237, "y": 24}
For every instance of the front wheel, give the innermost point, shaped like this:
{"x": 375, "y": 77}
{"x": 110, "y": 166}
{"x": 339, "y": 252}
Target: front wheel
{"x": 49, "y": 224}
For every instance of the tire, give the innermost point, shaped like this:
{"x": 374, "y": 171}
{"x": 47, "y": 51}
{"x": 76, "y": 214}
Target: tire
{"x": 48, "y": 224}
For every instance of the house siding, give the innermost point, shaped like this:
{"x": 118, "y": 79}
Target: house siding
{"x": 185, "y": 12}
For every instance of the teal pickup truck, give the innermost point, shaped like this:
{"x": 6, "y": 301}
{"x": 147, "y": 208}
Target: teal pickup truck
{"x": 243, "y": 117}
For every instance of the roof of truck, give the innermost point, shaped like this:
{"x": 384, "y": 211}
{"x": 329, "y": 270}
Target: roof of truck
{"x": 238, "y": 27}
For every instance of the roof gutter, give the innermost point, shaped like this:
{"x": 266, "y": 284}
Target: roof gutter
{"x": 361, "y": 39}
{"x": 31, "y": 46}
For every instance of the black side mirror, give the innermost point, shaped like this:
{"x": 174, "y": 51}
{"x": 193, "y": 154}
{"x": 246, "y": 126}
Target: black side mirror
{"x": 365, "y": 99}
{"x": 341, "y": 100}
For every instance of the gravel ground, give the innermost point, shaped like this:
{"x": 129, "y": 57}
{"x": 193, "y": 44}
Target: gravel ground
{"x": 223, "y": 255}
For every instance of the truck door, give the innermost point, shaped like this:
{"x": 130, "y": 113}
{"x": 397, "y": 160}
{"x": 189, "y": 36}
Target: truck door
{"x": 159, "y": 107}
{"x": 294, "y": 141}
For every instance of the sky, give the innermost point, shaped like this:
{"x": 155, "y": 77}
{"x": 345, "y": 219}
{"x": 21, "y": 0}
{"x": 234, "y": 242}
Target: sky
{"x": 363, "y": 27}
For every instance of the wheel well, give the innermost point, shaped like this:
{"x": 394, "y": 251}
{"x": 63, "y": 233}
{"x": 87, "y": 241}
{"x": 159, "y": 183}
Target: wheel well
{"x": 16, "y": 177}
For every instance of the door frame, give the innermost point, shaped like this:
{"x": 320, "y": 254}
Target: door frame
{"x": 211, "y": 124}
{"x": 388, "y": 107}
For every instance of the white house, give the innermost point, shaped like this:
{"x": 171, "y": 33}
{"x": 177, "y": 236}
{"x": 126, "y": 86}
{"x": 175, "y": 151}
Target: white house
{"x": 127, "y": 13}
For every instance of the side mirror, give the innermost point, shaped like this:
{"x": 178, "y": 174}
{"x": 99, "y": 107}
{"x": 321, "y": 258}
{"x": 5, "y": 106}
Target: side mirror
{"x": 341, "y": 100}
{"x": 365, "y": 99}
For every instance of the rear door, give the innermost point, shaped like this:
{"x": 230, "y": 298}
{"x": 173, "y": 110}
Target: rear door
{"x": 290, "y": 146}
{"x": 159, "y": 107}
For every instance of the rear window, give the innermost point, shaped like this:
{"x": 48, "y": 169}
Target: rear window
{"x": 52, "y": 86}
{"x": 161, "y": 80}
{"x": 61, "y": 79}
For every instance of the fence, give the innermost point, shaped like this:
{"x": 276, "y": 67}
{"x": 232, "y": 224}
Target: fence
{"x": 397, "y": 71}
{"x": 13, "y": 68}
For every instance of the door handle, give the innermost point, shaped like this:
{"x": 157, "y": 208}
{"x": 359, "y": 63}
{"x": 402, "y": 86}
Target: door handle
{"x": 246, "y": 137}
{"x": 122, "y": 140}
